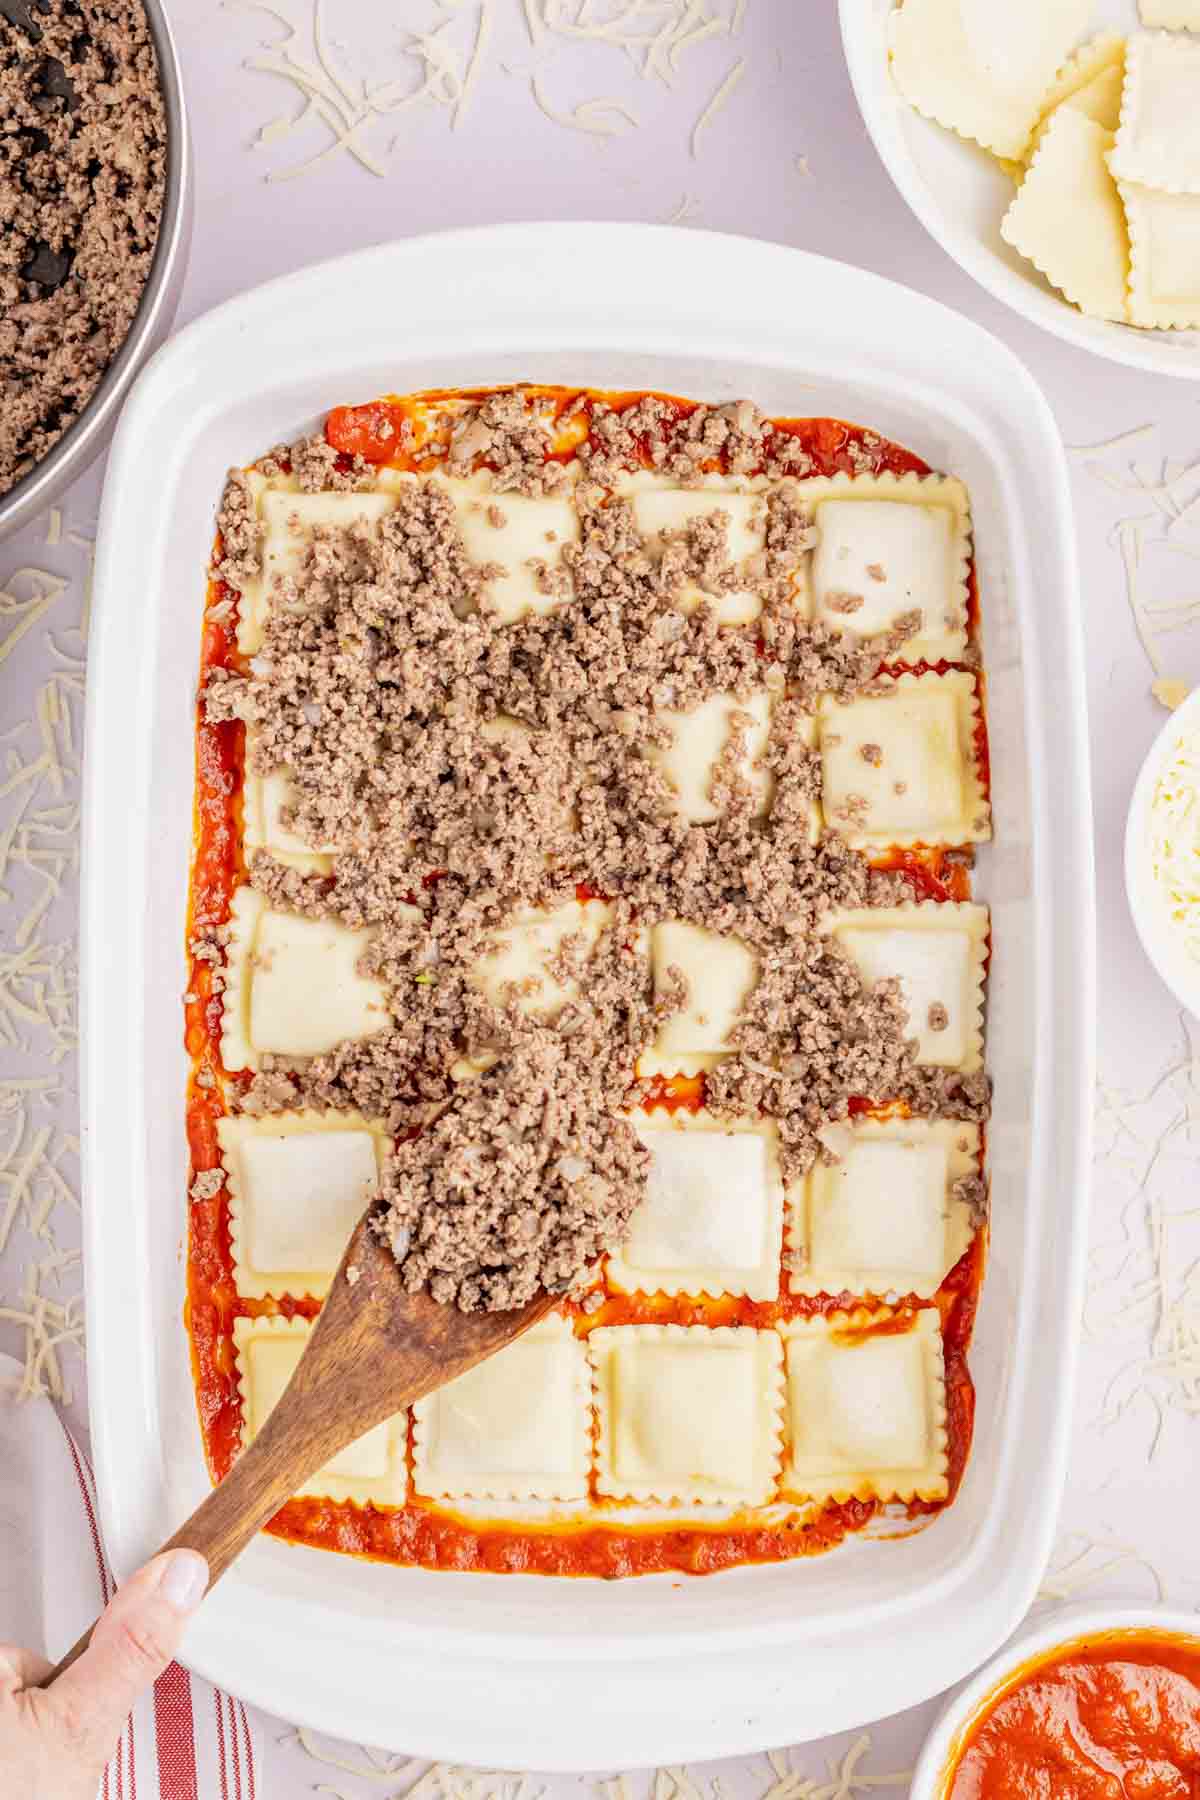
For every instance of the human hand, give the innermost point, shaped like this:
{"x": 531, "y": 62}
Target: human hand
{"x": 55, "y": 1742}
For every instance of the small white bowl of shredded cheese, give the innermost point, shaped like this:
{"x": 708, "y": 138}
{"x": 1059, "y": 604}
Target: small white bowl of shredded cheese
{"x": 1162, "y": 853}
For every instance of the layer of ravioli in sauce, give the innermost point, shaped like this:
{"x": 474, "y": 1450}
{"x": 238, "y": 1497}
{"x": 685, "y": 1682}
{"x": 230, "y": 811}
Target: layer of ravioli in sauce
{"x": 637, "y": 743}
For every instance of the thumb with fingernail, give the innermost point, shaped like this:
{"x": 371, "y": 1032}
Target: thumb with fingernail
{"x": 55, "y": 1742}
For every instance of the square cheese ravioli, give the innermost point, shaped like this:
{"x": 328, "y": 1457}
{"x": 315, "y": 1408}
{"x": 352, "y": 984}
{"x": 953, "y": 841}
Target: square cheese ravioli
{"x": 663, "y": 509}
{"x": 984, "y": 70}
{"x": 899, "y": 766}
{"x": 292, "y": 986}
{"x": 519, "y": 539}
{"x": 298, "y": 1184}
{"x": 1158, "y": 139}
{"x": 701, "y": 742}
{"x": 866, "y": 1408}
{"x": 522, "y": 960}
{"x": 712, "y": 1218}
{"x": 517, "y": 1427}
{"x": 1067, "y": 217}
{"x": 372, "y": 1470}
{"x": 687, "y": 1413}
{"x": 265, "y": 798}
{"x": 889, "y": 546}
{"x": 1089, "y": 82}
{"x": 289, "y": 521}
{"x": 937, "y": 952}
{"x": 1164, "y": 250}
{"x": 884, "y": 1219}
{"x": 718, "y": 974}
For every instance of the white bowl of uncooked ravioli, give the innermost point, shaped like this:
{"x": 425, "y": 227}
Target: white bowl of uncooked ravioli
{"x": 961, "y": 191}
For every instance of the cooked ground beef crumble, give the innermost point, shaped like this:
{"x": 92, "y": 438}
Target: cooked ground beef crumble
{"x": 458, "y": 1216}
{"x": 465, "y": 769}
{"x": 82, "y": 170}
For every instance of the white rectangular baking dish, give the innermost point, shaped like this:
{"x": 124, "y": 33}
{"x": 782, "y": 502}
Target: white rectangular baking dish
{"x": 522, "y": 1671}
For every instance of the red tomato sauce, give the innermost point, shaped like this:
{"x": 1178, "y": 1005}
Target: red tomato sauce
{"x": 374, "y": 431}
{"x": 929, "y": 872}
{"x": 1113, "y": 1716}
{"x": 421, "y": 1533}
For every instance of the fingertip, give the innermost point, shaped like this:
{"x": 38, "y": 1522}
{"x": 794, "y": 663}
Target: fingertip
{"x": 182, "y": 1579}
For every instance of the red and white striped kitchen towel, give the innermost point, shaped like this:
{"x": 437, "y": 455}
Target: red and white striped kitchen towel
{"x": 184, "y": 1741}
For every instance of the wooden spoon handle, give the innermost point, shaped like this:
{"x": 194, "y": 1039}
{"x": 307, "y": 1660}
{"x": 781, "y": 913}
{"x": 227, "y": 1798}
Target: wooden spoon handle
{"x": 267, "y": 1472}
{"x": 373, "y": 1350}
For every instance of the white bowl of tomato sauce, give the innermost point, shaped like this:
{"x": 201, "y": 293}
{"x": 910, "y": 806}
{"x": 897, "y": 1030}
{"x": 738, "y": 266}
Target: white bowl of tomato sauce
{"x": 1092, "y": 1706}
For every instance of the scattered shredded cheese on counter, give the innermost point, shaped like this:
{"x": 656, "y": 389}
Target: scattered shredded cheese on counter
{"x": 1175, "y": 499}
{"x": 1113, "y": 443}
{"x": 1128, "y": 534}
{"x": 347, "y": 106}
{"x": 653, "y": 33}
{"x": 687, "y": 209}
{"x": 41, "y": 1309}
{"x": 27, "y": 611}
{"x": 1073, "y": 1571}
{"x": 718, "y": 103}
{"x": 1144, "y": 1283}
{"x": 49, "y": 1323}
{"x": 601, "y": 117}
{"x": 846, "y": 1777}
{"x": 375, "y": 1765}
{"x": 451, "y": 55}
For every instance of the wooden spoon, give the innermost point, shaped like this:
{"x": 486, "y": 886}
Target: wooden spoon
{"x": 373, "y": 1350}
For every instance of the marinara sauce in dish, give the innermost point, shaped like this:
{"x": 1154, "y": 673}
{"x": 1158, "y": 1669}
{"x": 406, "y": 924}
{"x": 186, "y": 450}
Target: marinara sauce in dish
{"x": 1098, "y": 1719}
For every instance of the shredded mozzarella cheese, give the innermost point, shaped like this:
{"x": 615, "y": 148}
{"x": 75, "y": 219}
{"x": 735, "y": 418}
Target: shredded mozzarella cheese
{"x": 846, "y": 1778}
{"x": 1173, "y": 832}
{"x": 655, "y": 36}
{"x": 687, "y": 209}
{"x": 38, "y": 853}
{"x": 1145, "y": 1283}
{"x": 1113, "y": 443}
{"x": 717, "y": 104}
{"x": 597, "y": 116}
{"x": 1170, "y": 693}
{"x": 1073, "y": 1571}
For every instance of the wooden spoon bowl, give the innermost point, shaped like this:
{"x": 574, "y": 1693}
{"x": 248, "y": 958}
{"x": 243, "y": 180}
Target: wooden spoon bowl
{"x": 374, "y": 1349}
